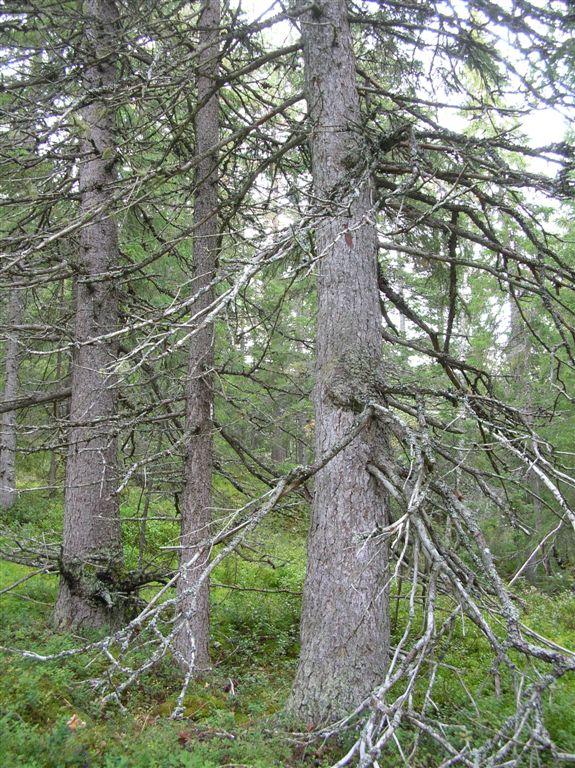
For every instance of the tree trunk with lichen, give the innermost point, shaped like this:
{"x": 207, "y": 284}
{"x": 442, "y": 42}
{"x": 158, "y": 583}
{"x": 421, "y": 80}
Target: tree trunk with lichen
{"x": 192, "y": 641}
{"x": 344, "y": 625}
{"x": 8, "y": 493}
{"x": 92, "y": 552}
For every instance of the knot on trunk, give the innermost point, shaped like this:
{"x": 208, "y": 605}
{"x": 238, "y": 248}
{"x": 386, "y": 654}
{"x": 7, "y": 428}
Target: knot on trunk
{"x": 98, "y": 578}
{"x": 355, "y": 378}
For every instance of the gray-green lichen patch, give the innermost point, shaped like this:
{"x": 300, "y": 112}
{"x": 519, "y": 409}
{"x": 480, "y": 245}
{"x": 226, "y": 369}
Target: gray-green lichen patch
{"x": 355, "y": 378}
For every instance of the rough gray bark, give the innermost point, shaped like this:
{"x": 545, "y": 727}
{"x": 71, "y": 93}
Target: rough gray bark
{"x": 92, "y": 551}
{"x": 8, "y": 493}
{"x": 193, "y": 640}
{"x": 344, "y": 625}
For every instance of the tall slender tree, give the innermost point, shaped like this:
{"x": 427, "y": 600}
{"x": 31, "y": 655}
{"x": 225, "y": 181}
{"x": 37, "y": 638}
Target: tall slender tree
{"x": 344, "y": 625}
{"x": 193, "y": 639}
{"x": 519, "y": 359}
{"x": 91, "y": 549}
{"x": 8, "y": 492}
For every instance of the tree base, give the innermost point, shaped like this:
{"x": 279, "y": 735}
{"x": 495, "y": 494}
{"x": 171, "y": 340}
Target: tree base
{"x": 77, "y": 611}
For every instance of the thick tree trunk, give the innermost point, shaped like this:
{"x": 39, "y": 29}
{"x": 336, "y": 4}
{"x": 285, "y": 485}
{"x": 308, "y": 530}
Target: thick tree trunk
{"x": 193, "y": 640}
{"x": 92, "y": 551}
{"x": 8, "y": 492}
{"x": 345, "y": 625}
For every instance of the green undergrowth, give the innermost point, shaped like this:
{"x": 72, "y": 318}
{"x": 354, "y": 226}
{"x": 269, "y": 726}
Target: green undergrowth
{"x": 231, "y": 718}
{"x": 234, "y": 717}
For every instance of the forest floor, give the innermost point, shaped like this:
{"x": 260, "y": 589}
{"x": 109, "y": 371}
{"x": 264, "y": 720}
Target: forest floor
{"x": 50, "y": 716}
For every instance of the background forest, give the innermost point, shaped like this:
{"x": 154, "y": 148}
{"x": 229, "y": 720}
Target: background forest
{"x": 288, "y": 353}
